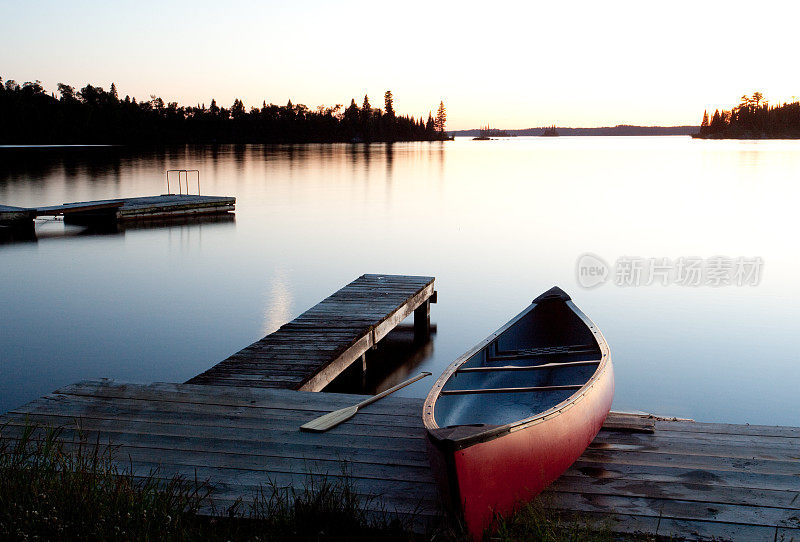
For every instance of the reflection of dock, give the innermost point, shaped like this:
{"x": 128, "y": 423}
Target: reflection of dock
{"x": 122, "y": 209}
{"x": 110, "y": 228}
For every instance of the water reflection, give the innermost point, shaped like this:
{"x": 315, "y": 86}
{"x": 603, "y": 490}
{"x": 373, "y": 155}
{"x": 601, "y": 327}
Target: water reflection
{"x": 56, "y": 228}
{"x": 389, "y": 153}
{"x": 495, "y": 222}
{"x": 278, "y": 301}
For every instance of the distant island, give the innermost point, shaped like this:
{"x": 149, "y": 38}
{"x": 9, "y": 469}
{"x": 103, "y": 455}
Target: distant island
{"x": 550, "y": 131}
{"x": 486, "y": 133}
{"x": 619, "y": 130}
{"x": 753, "y": 118}
{"x": 29, "y": 115}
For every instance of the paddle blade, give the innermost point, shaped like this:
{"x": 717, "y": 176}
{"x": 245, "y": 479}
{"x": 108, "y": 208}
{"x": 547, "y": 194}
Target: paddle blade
{"x": 332, "y": 419}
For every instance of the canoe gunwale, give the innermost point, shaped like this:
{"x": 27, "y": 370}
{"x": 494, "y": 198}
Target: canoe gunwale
{"x": 483, "y": 433}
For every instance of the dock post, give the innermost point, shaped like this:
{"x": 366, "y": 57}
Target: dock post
{"x": 422, "y": 321}
{"x": 364, "y": 370}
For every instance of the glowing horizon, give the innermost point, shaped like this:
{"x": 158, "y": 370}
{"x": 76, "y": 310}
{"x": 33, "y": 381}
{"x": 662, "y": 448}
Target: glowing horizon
{"x": 519, "y": 65}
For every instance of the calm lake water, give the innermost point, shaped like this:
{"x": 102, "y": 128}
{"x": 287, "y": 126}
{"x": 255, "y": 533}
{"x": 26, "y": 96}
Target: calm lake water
{"x": 495, "y": 222}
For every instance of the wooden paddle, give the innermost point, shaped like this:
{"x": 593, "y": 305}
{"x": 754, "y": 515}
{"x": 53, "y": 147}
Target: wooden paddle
{"x": 323, "y": 423}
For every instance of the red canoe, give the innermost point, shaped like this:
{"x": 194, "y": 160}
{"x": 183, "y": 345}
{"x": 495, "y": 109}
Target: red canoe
{"x": 511, "y": 415}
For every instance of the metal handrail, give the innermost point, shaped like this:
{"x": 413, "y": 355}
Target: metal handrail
{"x": 183, "y": 174}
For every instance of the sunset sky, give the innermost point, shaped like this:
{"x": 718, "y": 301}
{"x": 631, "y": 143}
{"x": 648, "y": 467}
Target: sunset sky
{"x": 510, "y": 64}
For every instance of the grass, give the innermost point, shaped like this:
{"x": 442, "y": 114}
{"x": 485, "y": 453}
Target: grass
{"x": 53, "y": 489}
{"x": 50, "y": 490}
{"x": 535, "y": 521}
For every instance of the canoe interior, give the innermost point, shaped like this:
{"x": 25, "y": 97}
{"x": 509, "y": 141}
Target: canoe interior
{"x": 549, "y": 334}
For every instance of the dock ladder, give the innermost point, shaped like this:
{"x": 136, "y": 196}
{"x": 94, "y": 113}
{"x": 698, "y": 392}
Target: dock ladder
{"x": 183, "y": 175}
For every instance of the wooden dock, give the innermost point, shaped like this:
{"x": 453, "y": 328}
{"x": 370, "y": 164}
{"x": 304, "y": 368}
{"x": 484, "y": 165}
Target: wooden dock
{"x": 241, "y": 439}
{"x": 684, "y": 480}
{"x": 237, "y": 426}
{"x": 311, "y": 350}
{"x": 124, "y": 209}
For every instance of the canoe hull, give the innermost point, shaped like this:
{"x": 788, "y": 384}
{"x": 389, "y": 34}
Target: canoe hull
{"x": 493, "y": 477}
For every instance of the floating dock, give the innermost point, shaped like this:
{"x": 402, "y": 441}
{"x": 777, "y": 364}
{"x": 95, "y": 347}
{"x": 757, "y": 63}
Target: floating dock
{"x": 122, "y": 209}
{"x": 239, "y": 430}
{"x": 314, "y": 348}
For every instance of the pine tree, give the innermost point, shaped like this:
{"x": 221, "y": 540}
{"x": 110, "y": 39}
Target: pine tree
{"x": 717, "y": 122}
{"x": 237, "y": 109}
{"x": 704, "y": 124}
{"x": 366, "y": 110}
{"x": 441, "y": 118}
{"x": 351, "y": 113}
{"x": 388, "y": 103}
{"x": 113, "y": 92}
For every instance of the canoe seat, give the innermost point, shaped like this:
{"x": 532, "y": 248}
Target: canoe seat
{"x": 545, "y": 351}
{"x": 513, "y": 390}
{"x": 553, "y": 350}
{"x": 490, "y": 368}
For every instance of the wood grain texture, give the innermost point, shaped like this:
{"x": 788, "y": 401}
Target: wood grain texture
{"x": 685, "y": 481}
{"x": 314, "y": 348}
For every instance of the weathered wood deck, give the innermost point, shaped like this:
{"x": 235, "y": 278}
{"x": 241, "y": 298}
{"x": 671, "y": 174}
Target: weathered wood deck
{"x": 123, "y": 209}
{"x": 685, "y": 480}
{"x": 147, "y": 207}
{"x": 242, "y": 439}
{"x": 314, "y": 348}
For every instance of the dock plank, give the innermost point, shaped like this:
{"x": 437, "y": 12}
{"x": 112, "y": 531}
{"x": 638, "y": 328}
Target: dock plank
{"x": 673, "y": 482}
{"x": 311, "y": 350}
{"x": 243, "y": 439}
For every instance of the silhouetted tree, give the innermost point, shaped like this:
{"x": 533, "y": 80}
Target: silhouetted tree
{"x": 704, "y": 125}
{"x": 28, "y": 114}
{"x": 441, "y": 118}
{"x": 67, "y": 92}
{"x": 351, "y": 114}
{"x": 366, "y": 109}
{"x": 754, "y": 118}
{"x": 237, "y": 109}
{"x": 388, "y": 102}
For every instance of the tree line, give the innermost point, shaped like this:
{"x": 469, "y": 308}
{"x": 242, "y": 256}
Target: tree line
{"x": 92, "y": 115}
{"x": 753, "y": 118}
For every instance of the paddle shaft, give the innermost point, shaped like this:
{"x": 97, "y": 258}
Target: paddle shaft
{"x": 332, "y": 419}
{"x": 391, "y": 390}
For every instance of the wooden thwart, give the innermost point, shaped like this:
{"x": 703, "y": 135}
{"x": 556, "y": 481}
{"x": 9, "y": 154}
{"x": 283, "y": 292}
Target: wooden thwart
{"x": 527, "y": 367}
{"x": 513, "y": 390}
